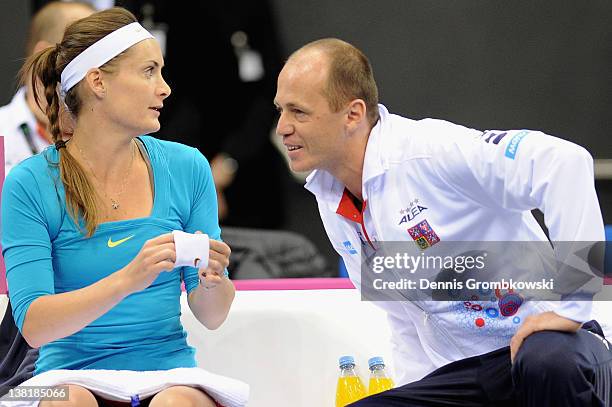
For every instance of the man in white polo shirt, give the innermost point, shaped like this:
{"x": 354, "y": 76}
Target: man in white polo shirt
{"x": 379, "y": 177}
{"x": 22, "y": 122}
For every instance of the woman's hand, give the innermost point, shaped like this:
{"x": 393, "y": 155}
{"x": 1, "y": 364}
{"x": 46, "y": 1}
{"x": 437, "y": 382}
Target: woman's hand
{"x": 209, "y": 306}
{"x": 218, "y": 260}
{"x": 155, "y": 256}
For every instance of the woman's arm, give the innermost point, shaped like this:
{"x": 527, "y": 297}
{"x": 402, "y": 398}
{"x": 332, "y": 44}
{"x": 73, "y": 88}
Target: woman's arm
{"x": 210, "y": 302}
{"x": 56, "y": 316}
{"x": 209, "y": 306}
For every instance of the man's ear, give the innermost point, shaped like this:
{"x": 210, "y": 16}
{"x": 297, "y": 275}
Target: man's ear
{"x": 95, "y": 82}
{"x": 356, "y": 113}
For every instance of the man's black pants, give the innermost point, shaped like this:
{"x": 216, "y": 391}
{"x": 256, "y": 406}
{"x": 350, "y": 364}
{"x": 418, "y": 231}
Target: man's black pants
{"x": 552, "y": 368}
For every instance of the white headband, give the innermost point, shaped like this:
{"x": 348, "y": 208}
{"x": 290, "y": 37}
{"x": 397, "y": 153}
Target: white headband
{"x": 100, "y": 53}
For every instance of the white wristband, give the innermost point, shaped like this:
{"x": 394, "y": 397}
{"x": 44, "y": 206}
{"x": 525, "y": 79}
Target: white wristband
{"x": 191, "y": 249}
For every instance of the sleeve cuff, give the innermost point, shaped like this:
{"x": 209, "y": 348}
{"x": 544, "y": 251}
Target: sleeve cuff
{"x": 578, "y": 311}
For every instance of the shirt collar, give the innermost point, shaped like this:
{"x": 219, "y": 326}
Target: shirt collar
{"x": 374, "y": 163}
{"x": 325, "y": 186}
{"x": 21, "y": 110}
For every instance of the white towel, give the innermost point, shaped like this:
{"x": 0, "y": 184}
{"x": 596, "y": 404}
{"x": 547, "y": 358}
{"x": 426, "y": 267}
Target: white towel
{"x": 121, "y": 385}
{"x": 191, "y": 249}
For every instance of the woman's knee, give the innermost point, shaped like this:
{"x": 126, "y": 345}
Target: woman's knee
{"x": 77, "y": 396}
{"x": 183, "y": 396}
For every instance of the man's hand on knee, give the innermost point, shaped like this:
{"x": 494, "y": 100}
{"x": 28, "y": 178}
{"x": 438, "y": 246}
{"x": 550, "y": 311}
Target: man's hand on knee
{"x": 546, "y": 321}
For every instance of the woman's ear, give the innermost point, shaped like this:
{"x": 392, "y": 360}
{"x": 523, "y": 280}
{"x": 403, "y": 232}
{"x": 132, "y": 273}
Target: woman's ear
{"x": 95, "y": 82}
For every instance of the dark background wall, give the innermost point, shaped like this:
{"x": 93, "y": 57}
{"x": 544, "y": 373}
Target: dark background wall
{"x": 14, "y": 17}
{"x": 485, "y": 64}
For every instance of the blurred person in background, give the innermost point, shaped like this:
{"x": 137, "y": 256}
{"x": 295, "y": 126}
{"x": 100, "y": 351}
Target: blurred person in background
{"x": 222, "y": 107}
{"x": 22, "y": 123}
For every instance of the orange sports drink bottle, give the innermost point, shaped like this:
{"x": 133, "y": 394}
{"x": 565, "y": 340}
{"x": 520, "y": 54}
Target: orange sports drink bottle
{"x": 350, "y": 387}
{"x": 379, "y": 381}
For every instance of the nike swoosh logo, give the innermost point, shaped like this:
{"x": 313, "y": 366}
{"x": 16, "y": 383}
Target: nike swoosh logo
{"x": 112, "y": 244}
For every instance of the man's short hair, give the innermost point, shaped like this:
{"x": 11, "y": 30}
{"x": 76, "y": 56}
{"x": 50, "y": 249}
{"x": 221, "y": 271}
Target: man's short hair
{"x": 350, "y": 75}
{"x": 49, "y": 23}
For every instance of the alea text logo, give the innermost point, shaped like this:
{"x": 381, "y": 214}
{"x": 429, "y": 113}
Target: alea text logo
{"x": 411, "y": 212}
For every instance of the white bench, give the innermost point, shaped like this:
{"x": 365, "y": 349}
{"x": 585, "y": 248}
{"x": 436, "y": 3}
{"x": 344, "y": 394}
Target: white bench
{"x": 286, "y": 343}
